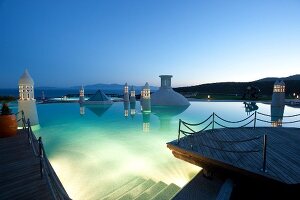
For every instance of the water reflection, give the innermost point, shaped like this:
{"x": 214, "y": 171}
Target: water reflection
{"x": 250, "y": 107}
{"x": 166, "y": 113}
{"x": 146, "y": 121}
{"x": 82, "y": 110}
{"x": 126, "y": 108}
{"x": 98, "y": 110}
{"x": 132, "y": 109}
{"x": 277, "y": 115}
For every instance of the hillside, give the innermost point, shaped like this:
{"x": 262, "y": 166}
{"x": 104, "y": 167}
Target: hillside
{"x": 265, "y": 85}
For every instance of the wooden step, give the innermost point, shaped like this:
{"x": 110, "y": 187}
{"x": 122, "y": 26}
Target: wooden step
{"x": 136, "y": 191}
{"x": 124, "y": 189}
{"x": 152, "y": 191}
{"x": 167, "y": 193}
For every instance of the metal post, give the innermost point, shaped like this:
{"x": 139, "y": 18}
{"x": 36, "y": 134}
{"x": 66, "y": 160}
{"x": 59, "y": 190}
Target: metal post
{"x": 213, "y": 121}
{"x": 41, "y": 156}
{"x": 179, "y": 131}
{"x": 264, "y": 153}
{"x": 254, "y": 120}
{"x": 28, "y": 130}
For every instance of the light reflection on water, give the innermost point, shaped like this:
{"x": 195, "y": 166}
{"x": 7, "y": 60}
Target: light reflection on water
{"x": 97, "y": 149}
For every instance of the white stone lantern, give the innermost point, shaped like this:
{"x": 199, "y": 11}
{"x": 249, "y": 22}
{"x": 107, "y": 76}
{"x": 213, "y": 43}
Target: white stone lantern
{"x": 26, "y": 101}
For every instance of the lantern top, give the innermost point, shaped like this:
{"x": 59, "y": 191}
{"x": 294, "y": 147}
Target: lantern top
{"x": 26, "y": 79}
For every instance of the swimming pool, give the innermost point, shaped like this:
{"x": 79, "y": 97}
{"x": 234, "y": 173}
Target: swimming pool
{"x": 97, "y": 149}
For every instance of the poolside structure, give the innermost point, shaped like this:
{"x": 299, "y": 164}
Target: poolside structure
{"x": 98, "y": 98}
{"x": 81, "y": 95}
{"x": 146, "y": 98}
{"x": 126, "y": 93}
{"x": 166, "y": 96}
{"x": 27, "y": 102}
{"x": 263, "y": 156}
{"x": 278, "y": 97}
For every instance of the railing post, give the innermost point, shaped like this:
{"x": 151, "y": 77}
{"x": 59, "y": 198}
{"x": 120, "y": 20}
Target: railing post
{"x": 264, "y": 153}
{"x": 213, "y": 121}
{"x": 28, "y": 130}
{"x": 255, "y": 119}
{"x": 179, "y": 127}
{"x": 41, "y": 156}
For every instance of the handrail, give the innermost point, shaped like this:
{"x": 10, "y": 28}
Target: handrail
{"x": 233, "y": 122}
{"x": 216, "y": 119}
{"x": 57, "y": 190}
{"x": 284, "y": 116}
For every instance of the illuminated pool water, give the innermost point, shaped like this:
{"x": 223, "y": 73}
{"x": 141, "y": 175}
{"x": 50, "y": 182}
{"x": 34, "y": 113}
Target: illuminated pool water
{"x": 96, "y": 149}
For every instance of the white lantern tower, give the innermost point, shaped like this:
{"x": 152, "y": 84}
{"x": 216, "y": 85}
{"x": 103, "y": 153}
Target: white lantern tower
{"x": 26, "y": 101}
{"x": 278, "y": 97}
{"x": 146, "y": 99}
{"x": 81, "y": 95}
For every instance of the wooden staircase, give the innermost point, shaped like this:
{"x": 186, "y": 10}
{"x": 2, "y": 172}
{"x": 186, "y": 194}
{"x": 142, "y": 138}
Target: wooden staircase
{"x": 142, "y": 189}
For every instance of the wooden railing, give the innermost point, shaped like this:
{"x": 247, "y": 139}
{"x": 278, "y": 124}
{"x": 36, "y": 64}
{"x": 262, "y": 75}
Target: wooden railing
{"x": 57, "y": 190}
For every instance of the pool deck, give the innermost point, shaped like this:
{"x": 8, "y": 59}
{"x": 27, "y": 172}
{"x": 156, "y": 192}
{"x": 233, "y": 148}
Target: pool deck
{"x": 20, "y": 176}
{"x": 240, "y": 151}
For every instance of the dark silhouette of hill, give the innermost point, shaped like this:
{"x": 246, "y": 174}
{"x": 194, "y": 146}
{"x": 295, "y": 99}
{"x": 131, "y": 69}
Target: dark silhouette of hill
{"x": 265, "y": 85}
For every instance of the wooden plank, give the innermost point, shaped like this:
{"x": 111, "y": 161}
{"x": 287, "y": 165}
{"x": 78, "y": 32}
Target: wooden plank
{"x": 283, "y": 151}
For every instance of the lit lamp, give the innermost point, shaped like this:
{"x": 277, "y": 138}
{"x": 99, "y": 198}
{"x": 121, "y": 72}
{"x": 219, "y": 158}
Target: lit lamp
{"x": 81, "y": 95}
{"x": 297, "y": 96}
{"x": 208, "y": 96}
{"x": 126, "y": 94}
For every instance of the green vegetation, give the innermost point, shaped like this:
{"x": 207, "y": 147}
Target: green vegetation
{"x": 7, "y": 99}
{"x": 5, "y": 109}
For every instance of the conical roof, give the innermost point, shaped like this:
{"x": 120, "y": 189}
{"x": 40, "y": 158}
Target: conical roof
{"x": 147, "y": 86}
{"x": 26, "y": 79}
{"x": 99, "y": 96}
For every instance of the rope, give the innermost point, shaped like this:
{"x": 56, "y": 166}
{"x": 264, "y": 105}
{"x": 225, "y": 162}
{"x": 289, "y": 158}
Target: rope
{"x": 277, "y": 116}
{"x": 206, "y": 127}
{"x": 194, "y": 132}
{"x": 234, "y": 121}
{"x": 189, "y": 128}
{"x": 185, "y": 123}
{"x": 296, "y": 121}
{"x": 234, "y": 127}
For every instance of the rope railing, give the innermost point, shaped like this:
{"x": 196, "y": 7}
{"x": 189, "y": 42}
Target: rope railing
{"x": 284, "y": 116}
{"x": 215, "y": 119}
{"x": 57, "y": 190}
{"x": 234, "y": 122}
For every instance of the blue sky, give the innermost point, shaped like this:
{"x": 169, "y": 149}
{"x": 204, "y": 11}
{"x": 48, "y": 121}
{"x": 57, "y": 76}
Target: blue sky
{"x": 65, "y": 43}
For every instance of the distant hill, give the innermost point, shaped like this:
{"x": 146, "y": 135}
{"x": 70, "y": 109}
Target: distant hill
{"x": 110, "y": 87}
{"x": 292, "y": 78}
{"x": 265, "y": 85}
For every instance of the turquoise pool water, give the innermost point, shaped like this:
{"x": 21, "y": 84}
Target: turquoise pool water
{"x": 96, "y": 149}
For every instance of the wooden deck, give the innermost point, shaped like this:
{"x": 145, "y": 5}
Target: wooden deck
{"x": 20, "y": 176}
{"x": 211, "y": 150}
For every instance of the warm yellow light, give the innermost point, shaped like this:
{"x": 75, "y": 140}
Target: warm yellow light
{"x": 208, "y": 96}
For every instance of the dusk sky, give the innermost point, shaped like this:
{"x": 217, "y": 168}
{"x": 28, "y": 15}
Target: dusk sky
{"x": 66, "y": 43}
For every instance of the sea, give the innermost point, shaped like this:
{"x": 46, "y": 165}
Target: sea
{"x": 58, "y": 92}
